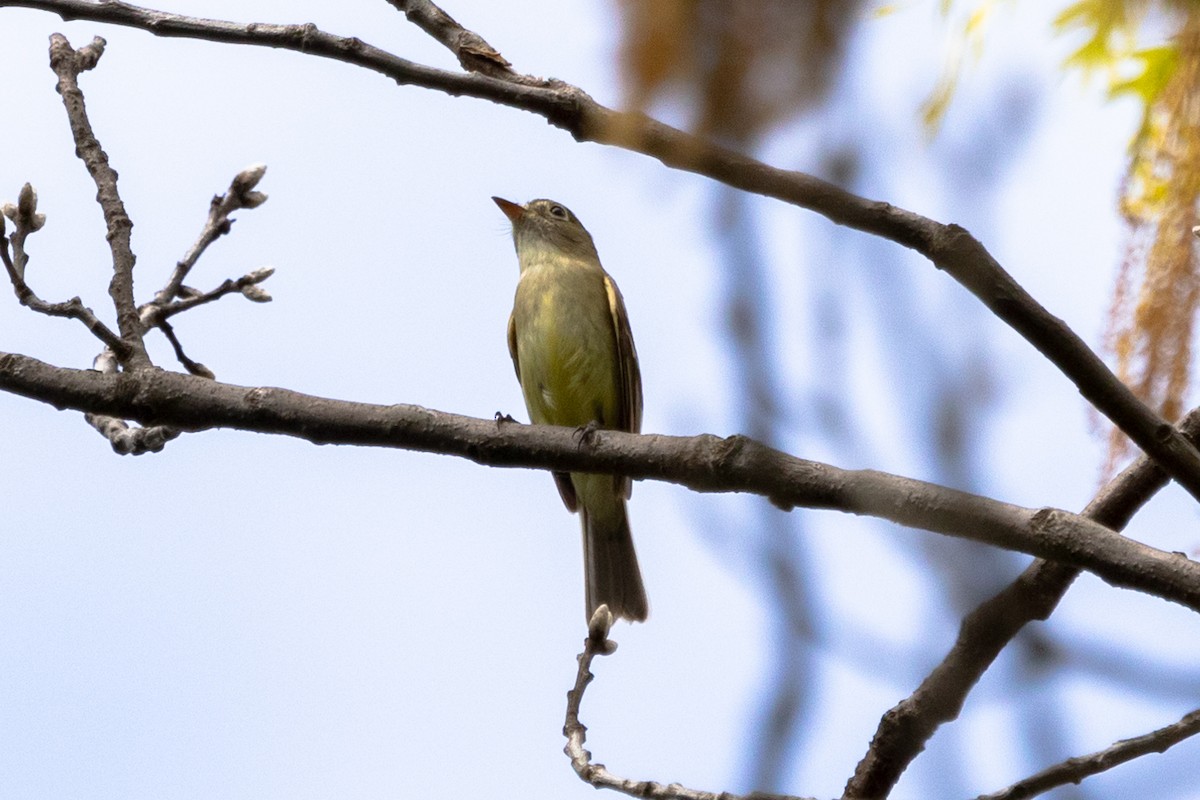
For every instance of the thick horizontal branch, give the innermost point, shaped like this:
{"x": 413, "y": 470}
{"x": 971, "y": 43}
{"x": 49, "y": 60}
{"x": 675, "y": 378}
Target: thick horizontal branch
{"x": 949, "y": 247}
{"x": 703, "y": 463}
{"x": 307, "y": 38}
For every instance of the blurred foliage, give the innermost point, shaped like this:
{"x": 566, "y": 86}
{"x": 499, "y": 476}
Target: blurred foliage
{"x": 1154, "y": 304}
{"x": 1147, "y": 51}
{"x": 1152, "y": 317}
{"x": 739, "y": 68}
{"x": 968, "y": 41}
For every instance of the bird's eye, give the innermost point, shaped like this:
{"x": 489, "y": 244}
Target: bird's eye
{"x": 558, "y": 211}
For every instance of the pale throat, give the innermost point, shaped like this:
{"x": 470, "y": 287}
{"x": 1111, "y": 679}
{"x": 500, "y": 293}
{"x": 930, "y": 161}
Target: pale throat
{"x": 535, "y": 251}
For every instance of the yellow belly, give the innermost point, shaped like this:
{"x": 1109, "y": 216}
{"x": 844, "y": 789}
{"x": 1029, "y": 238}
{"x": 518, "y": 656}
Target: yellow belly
{"x": 566, "y": 347}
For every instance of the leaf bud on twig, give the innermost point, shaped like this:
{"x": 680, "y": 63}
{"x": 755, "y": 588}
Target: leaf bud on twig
{"x": 243, "y": 184}
{"x": 259, "y": 275}
{"x": 256, "y": 293}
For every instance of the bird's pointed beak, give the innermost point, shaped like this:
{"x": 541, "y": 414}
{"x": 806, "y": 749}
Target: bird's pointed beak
{"x": 512, "y": 210}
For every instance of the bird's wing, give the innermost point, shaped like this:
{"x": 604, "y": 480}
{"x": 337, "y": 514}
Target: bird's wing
{"x": 629, "y": 376}
{"x": 512, "y": 343}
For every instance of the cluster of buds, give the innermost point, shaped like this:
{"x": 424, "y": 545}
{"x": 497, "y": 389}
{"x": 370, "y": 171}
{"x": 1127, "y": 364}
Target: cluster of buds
{"x": 23, "y": 213}
{"x": 242, "y": 187}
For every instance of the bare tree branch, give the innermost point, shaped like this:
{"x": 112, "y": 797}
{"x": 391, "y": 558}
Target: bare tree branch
{"x": 472, "y": 52}
{"x": 598, "y": 643}
{"x": 193, "y": 367}
{"x": 950, "y": 247}
{"x": 703, "y": 463}
{"x": 241, "y": 194}
{"x": 247, "y": 286}
{"x": 27, "y": 220}
{"x": 129, "y": 348}
{"x": 904, "y": 730}
{"x": 307, "y": 38}
{"x": 167, "y": 403}
{"x": 67, "y": 64}
{"x": 125, "y": 439}
{"x": 1074, "y": 770}
{"x": 129, "y": 441}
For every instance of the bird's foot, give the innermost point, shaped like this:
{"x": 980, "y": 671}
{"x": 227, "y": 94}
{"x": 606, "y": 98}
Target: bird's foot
{"x": 585, "y": 433}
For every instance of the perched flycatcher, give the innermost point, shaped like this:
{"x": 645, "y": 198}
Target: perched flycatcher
{"x": 573, "y": 352}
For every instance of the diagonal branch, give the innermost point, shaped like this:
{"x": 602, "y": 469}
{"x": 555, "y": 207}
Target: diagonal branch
{"x": 1074, "y": 770}
{"x": 703, "y": 463}
{"x": 241, "y": 194}
{"x": 985, "y": 632}
{"x": 472, "y": 52}
{"x": 193, "y": 367}
{"x": 67, "y": 64}
{"x": 949, "y": 247}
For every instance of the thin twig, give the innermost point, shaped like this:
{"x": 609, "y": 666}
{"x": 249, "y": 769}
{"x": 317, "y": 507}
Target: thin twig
{"x": 949, "y": 247}
{"x": 27, "y": 220}
{"x": 703, "y": 463}
{"x": 240, "y": 285}
{"x": 193, "y": 367}
{"x": 241, "y": 194}
{"x": 985, "y": 632}
{"x": 67, "y": 64}
{"x": 473, "y": 53}
{"x": 1074, "y": 770}
{"x": 598, "y": 644}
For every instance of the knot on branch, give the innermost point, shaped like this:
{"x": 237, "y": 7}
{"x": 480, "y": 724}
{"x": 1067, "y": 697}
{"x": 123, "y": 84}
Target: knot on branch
{"x": 1045, "y": 519}
{"x": 305, "y": 34}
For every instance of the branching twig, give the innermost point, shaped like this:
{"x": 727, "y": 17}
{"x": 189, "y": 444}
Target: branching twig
{"x": 949, "y": 247}
{"x": 67, "y": 64}
{"x": 473, "y": 53}
{"x": 703, "y": 463}
{"x": 126, "y": 440}
{"x": 247, "y": 285}
{"x": 26, "y": 220}
{"x": 1074, "y": 770}
{"x": 598, "y": 644}
{"x": 241, "y": 194}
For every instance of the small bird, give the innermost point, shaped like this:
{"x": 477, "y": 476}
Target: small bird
{"x": 573, "y": 351}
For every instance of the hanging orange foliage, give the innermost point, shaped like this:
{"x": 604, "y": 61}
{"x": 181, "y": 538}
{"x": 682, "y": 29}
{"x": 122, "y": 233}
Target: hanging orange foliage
{"x": 1158, "y": 286}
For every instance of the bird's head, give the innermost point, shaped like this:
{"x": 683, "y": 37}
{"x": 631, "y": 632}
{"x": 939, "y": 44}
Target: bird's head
{"x": 546, "y": 225}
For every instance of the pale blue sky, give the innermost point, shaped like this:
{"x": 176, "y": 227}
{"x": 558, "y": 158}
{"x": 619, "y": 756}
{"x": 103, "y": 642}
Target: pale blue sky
{"x": 245, "y": 616}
